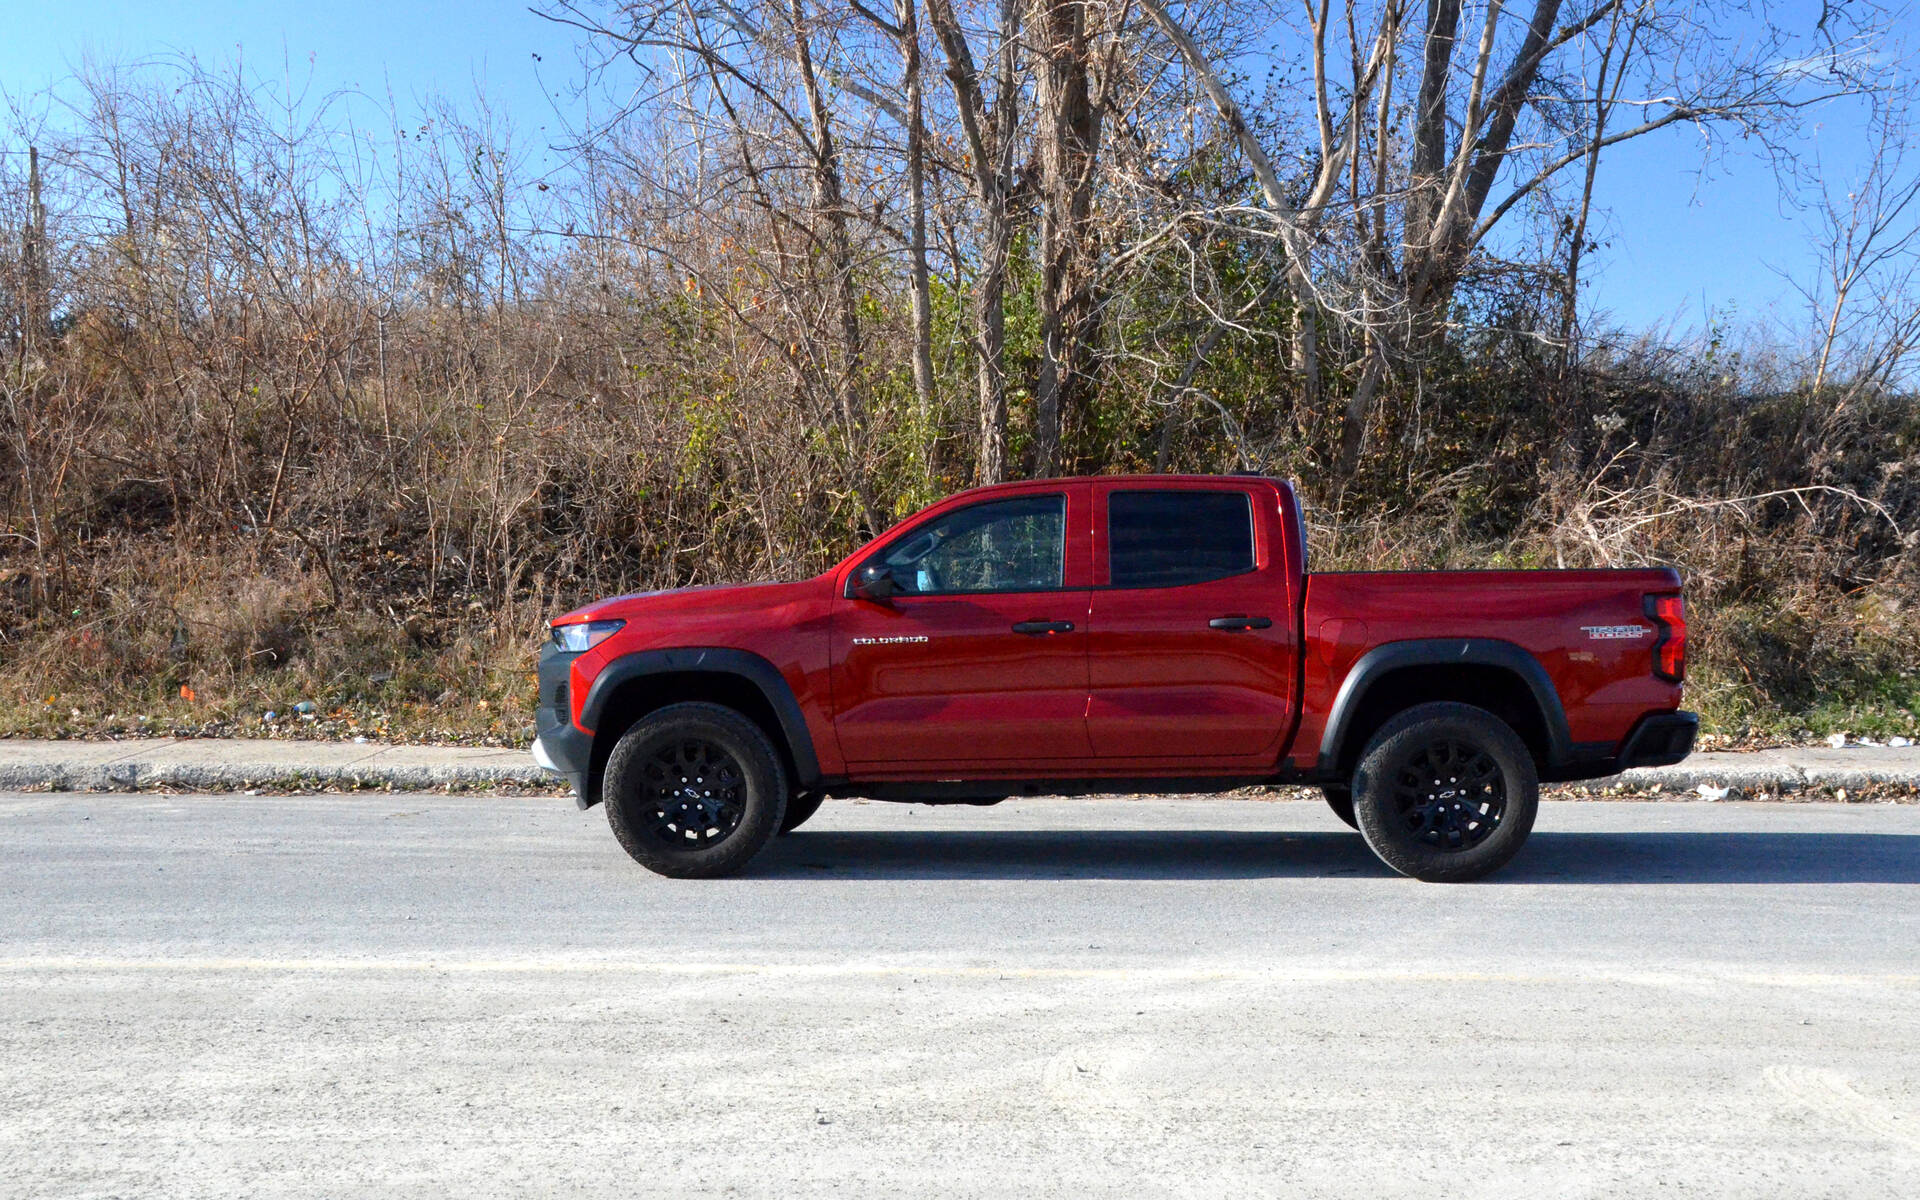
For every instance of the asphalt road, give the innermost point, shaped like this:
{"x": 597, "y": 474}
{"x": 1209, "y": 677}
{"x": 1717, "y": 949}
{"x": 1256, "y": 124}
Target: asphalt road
{"x": 429, "y": 995}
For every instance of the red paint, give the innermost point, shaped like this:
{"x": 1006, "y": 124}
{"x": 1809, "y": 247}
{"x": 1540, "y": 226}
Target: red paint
{"x": 1142, "y": 685}
{"x": 1604, "y": 685}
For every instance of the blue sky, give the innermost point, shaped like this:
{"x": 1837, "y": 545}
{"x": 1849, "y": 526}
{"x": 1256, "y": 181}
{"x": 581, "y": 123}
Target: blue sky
{"x": 1681, "y": 243}
{"x": 416, "y": 47}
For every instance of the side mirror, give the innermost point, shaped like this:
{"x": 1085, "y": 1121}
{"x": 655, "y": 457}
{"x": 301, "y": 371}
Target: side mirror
{"x": 873, "y": 582}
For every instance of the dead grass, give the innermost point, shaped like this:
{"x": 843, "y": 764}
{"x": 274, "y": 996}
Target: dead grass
{"x": 289, "y": 443}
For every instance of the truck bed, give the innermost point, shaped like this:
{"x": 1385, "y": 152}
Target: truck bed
{"x": 1585, "y": 627}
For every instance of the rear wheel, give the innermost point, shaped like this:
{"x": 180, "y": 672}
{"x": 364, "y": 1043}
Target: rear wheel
{"x": 1445, "y": 793}
{"x": 694, "y": 790}
{"x": 1340, "y": 800}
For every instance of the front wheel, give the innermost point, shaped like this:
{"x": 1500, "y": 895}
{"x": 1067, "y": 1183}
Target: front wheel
{"x": 694, "y": 790}
{"x": 1446, "y": 793}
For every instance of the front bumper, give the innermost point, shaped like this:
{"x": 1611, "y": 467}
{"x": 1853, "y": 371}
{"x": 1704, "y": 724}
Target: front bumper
{"x": 559, "y": 746}
{"x": 541, "y": 758}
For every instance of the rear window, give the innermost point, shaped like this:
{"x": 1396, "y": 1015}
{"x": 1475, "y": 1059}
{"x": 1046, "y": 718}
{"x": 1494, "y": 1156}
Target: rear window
{"x": 1166, "y": 539}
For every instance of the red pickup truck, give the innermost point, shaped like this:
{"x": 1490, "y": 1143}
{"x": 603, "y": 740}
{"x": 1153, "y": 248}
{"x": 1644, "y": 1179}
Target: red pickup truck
{"x": 1112, "y": 634}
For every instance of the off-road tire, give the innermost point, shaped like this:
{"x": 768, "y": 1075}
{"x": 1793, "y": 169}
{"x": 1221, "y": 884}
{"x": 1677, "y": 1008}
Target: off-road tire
{"x": 1435, "y": 826}
{"x": 1340, "y": 800}
{"x": 800, "y": 807}
{"x": 736, "y": 745}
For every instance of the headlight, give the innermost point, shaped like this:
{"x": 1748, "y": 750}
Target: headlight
{"x": 584, "y": 635}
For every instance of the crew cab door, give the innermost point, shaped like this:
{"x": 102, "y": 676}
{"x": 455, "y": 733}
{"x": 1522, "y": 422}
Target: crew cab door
{"x": 980, "y": 655}
{"x": 1192, "y": 650}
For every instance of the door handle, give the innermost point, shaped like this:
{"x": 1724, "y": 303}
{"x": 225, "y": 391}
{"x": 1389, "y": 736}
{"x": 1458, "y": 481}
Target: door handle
{"x": 1041, "y": 627}
{"x": 1232, "y": 623}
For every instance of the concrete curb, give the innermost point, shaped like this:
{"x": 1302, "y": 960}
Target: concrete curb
{"x": 1822, "y": 769}
{"x": 235, "y": 764}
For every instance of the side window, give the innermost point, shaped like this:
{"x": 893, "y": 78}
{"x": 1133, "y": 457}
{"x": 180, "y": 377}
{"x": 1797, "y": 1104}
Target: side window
{"x": 1000, "y": 546}
{"x": 1165, "y": 539}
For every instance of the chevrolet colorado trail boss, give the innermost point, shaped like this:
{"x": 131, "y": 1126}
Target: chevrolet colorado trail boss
{"x": 1112, "y": 634}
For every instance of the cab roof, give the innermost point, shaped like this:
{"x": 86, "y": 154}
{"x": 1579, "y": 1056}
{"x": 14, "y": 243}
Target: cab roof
{"x": 1146, "y": 480}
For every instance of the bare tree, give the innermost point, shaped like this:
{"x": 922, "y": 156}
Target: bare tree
{"x": 990, "y": 127}
{"x": 1070, "y": 102}
{"x": 36, "y": 302}
{"x": 1486, "y": 132}
{"x": 1616, "y": 54}
{"x": 745, "y": 88}
{"x": 904, "y": 29}
{"x": 830, "y": 201}
{"x": 1867, "y": 296}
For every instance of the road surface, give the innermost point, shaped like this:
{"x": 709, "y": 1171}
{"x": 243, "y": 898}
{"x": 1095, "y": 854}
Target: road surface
{"x": 350, "y": 996}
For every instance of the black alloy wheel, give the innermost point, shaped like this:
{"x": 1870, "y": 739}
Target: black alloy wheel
{"x": 695, "y": 795}
{"x": 1450, "y": 793}
{"x": 694, "y": 790}
{"x": 1445, "y": 792}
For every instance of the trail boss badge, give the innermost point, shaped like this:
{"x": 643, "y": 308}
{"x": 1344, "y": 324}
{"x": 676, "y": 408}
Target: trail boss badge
{"x": 1614, "y": 633}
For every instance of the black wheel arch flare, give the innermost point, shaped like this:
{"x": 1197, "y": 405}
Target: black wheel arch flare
{"x": 1381, "y": 661}
{"x": 717, "y": 661}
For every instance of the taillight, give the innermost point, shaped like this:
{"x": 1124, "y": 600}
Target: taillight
{"x": 1669, "y": 613}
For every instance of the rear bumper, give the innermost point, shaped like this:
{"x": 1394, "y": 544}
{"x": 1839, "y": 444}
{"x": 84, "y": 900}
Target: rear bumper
{"x": 559, "y": 746}
{"x": 1656, "y": 740}
{"x": 1660, "y": 740}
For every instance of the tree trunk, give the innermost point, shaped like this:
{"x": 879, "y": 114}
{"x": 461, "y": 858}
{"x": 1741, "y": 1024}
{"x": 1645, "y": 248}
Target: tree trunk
{"x": 36, "y": 302}
{"x": 990, "y": 320}
{"x": 1570, "y": 313}
{"x": 829, "y": 199}
{"x": 1069, "y": 141}
{"x": 1430, "y": 125}
{"x": 907, "y": 14}
{"x": 1306, "y": 352}
{"x": 1449, "y": 188}
{"x": 990, "y": 145}
{"x": 1353, "y": 424}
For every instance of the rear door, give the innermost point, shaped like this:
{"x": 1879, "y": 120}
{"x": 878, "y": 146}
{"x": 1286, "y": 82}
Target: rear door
{"x": 1191, "y": 647}
{"x": 981, "y": 658}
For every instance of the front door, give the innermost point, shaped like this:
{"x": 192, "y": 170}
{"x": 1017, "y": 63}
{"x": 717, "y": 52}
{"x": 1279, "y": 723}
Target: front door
{"x": 1191, "y": 644}
{"x": 979, "y": 658}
